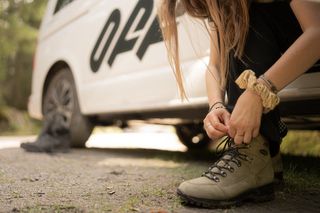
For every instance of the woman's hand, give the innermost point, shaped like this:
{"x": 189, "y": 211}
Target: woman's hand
{"x": 246, "y": 118}
{"x": 216, "y": 123}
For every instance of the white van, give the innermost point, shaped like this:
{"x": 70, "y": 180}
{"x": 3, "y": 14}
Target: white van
{"x": 99, "y": 62}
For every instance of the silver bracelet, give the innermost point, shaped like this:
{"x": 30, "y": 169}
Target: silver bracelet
{"x": 213, "y": 105}
{"x": 269, "y": 83}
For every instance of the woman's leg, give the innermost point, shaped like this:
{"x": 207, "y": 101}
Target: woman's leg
{"x": 244, "y": 172}
{"x": 273, "y": 28}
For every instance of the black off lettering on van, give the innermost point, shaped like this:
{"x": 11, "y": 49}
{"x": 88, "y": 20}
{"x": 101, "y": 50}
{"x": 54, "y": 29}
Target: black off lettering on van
{"x": 123, "y": 44}
{"x": 114, "y": 20}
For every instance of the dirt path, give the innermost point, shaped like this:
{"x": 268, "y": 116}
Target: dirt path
{"x": 129, "y": 180}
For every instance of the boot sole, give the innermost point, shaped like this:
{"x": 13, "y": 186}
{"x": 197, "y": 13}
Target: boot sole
{"x": 261, "y": 194}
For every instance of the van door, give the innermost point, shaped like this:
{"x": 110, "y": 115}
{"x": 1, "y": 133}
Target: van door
{"x": 123, "y": 61}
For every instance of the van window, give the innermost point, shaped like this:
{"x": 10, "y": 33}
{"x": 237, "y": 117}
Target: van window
{"x": 61, "y": 4}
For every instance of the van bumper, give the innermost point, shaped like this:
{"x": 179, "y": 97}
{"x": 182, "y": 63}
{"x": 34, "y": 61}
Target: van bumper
{"x": 34, "y": 106}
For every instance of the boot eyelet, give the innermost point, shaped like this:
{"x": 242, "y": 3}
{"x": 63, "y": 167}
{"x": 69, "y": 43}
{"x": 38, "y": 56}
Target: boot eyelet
{"x": 216, "y": 179}
{"x": 264, "y": 152}
{"x": 224, "y": 174}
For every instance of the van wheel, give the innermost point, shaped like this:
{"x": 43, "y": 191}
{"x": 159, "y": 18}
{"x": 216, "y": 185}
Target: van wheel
{"x": 193, "y": 136}
{"x": 61, "y": 98}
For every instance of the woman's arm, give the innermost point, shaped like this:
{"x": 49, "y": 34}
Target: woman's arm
{"x": 214, "y": 91}
{"x": 305, "y": 51}
{"x": 217, "y": 120}
{"x": 302, "y": 54}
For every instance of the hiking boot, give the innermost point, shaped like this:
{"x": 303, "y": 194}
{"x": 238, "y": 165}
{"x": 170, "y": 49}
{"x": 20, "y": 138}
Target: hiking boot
{"x": 242, "y": 173}
{"x": 49, "y": 144}
{"x": 54, "y": 137}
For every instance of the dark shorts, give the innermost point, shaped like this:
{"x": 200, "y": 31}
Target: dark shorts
{"x": 273, "y": 28}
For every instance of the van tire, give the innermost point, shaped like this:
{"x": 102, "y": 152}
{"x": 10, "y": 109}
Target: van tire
{"x": 193, "y": 136}
{"x": 62, "y": 84}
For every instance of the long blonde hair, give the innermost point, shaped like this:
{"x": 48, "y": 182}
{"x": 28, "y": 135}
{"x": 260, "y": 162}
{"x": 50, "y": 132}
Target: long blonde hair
{"x": 230, "y": 19}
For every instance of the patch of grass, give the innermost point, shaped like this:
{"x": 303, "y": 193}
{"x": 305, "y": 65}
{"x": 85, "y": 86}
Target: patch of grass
{"x": 191, "y": 171}
{"x": 50, "y": 208}
{"x": 167, "y": 193}
{"x": 130, "y": 204}
{"x": 157, "y": 192}
{"x": 176, "y": 204}
{"x": 105, "y": 209}
{"x": 302, "y": 143}
{"x": 301, "y": 173}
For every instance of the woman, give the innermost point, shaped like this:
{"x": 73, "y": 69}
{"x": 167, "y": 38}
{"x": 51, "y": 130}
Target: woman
{"x": 256, "y": 50}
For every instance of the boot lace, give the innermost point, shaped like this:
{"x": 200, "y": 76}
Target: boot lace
{"x": 229, "y": 154}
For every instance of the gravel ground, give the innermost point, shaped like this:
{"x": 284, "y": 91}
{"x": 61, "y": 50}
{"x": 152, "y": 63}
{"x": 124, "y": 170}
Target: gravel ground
{"x": 127, "y": 180}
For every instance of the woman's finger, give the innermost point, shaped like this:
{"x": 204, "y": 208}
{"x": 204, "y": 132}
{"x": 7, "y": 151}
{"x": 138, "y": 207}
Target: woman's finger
{"x": 247, "y": 137}
{"x": 220, "y": 127}
{"x": 255, "y": 132}
{"x": 216, "y": 123}
{"x": 213, "y": 133}
{"x": 238, "y": 139}
{"x": 226, "y": 118}
{"x": 232, "y": 131}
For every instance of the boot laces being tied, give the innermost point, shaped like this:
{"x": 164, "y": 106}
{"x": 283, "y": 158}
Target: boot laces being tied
{"x": 229, "y": 154}
{"x": 243, "y": 173}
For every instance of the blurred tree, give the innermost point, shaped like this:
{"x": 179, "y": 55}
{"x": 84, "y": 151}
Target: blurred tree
{"x": 19, "y": 23}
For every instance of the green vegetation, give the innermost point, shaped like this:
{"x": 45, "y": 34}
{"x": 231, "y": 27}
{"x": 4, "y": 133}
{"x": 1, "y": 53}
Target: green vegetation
{"x": 16, "y": 122}
{"x": 301, "y": 174}
{"x": 51, "y": 208}
{"x": 130, "y": 204}
{"x": 305, "y": 143}
{"x": 19, "y": 23}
